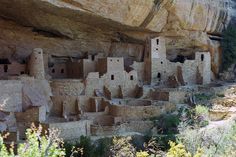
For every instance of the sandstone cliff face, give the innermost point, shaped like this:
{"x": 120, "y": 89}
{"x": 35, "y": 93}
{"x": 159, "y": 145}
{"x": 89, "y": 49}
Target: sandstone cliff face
{"x": 72, "y": 27}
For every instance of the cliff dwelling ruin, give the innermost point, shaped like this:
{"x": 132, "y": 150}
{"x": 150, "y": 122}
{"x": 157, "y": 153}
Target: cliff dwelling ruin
{"x": 96, "y": 95}
{"x": 146, "y": 72}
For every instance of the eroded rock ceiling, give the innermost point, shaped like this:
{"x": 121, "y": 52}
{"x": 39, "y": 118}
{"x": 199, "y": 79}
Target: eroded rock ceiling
{"x": 73, "y": 27}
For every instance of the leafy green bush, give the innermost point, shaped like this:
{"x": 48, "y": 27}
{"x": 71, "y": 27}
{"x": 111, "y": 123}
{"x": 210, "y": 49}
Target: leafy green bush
{"x": 220, "y": 141}
{"x": 201, "y": 115}
{"x": 122, "y": 147}
{"x": 167, "y": 124}
{"x": 98, "y": 148}
{"x": 201, "y": 110}
{"x": 102, "y": 147}
{"x": 190, "y": 138}
{"x": 179, "y": 150}
{"x": 36, "y": 145}
{"x": 84, "y": 142}
{"x": 228, "y": 45}
{"x": 194, "y": 117}
{"x": 203, "y": 96}
{"x": 166, "y": 129}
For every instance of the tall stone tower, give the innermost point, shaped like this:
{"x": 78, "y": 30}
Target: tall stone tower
{"x": 36, "y": 64}
{"x": 156, "y": 60}
{"x": 203, "y": 60}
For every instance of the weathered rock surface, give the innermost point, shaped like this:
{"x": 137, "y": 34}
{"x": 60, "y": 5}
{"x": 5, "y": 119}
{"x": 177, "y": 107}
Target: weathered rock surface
{"x": 73, "y": 27}
{"x": 60, "y": 15}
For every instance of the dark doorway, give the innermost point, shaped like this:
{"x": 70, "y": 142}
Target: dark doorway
{"x": 112, "y": 77}
{"x": 157, "y": 41}
{"x": 202, "y": 57}
{"x": 62, "y": 71}
{"x": 5, "y": 68}
{"x": 131, "y": 77}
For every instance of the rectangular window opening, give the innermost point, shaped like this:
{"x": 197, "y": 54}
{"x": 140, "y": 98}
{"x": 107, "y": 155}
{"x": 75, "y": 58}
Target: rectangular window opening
{"x": 112, "y": 77}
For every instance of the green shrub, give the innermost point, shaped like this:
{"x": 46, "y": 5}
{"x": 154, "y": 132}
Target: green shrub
{"x": 166, "y": 127}
{"x": 122, "y": 147}
{"x": 194, "y": 117}
{"x": 220, "y": 141}
{"x": 167, "y": 124}
{"x": 201, "y": 115}
{"x": 98, "y": 148}
{"x": 201, "y": 110}
{"x": 179, "y": 150}
{"x": 190, "y": 138}
{"x": 228, "y": 45}
{"x": 163, "y": 141}
{"x": 102, "y": 147}
{"x": 142, "y": 154}
{"x": 203, "y": 96}
{"x": 36, "y": 145}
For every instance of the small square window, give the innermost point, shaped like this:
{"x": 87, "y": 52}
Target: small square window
{"x": 202, "y": 57}
{"x": 131, "y": 77}
{"x": 112, "y": 77}
{"x": 93, "y": 57}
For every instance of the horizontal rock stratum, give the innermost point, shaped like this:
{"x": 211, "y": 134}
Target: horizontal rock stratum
{"x": 151, "y": 15}
{"x": 73, "y": 27}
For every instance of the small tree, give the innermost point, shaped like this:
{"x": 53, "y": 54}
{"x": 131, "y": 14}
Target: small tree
{"x": 122, "y": 147}
{"x": 36, "y": 145}
{"x": 228, "y": 45}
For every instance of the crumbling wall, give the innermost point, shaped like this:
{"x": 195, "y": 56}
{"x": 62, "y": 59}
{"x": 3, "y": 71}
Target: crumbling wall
{"x": 75, "y": 70}
{"x": 84, "y": 103}
{"x": 71, "y": 130}
{"x": 67, "y": 87}
{"x": 13, "y": 69}
{"x": 129, "y": 112}
{"x": 36, "y": 93}
{"x": 92, "y": 83}
{"x": 58, "y": 71}
{"x": 189, "y": 68}
{"x": 88, "y": 66}
{"x": 11, "y": 95}
{"x": 140, "y": 68}
{"x": 58, "y": 109}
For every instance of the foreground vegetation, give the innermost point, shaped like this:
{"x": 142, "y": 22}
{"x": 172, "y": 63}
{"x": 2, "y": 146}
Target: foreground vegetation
{"x": 184, "y": 136}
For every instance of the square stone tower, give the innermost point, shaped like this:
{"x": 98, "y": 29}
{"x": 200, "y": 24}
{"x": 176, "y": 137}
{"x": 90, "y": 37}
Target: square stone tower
{"x": 110, "y": 65}
{"x": 203, "y": 60}
{"x": 156, "y": 61}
